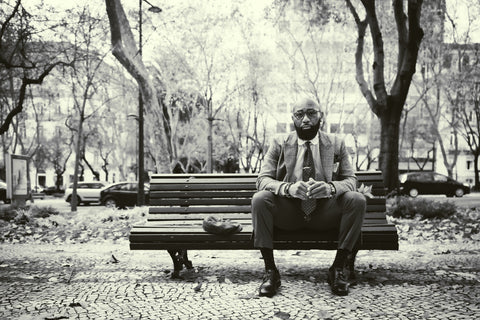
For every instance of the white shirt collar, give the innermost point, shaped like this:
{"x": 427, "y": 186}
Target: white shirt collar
{"x": 314, "y": 141}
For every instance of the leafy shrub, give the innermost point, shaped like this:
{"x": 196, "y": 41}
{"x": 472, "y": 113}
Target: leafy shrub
{"x": 22, "y": 214}
{"x": 405, "y": 207}
{"x": 43, "y": 212}
{"x": 21, "y": 218}
{"x": 9, "y": 213}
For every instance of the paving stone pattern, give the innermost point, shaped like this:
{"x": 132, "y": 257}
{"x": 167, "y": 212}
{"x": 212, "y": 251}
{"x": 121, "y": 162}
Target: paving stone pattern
{"x": 84, "y": 281}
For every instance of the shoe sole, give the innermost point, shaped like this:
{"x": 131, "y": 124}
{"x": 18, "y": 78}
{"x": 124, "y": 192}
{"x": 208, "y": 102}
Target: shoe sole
{"x": 337, "y": 293}
{"x": 340, "y": 293}
{"x": 269, "y": 295}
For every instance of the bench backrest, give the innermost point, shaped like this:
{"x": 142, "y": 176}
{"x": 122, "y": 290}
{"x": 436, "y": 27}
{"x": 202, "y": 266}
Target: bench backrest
{"x": 234, "y": 190}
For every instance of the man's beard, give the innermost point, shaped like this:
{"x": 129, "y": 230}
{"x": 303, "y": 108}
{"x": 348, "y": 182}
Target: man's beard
{"x": 307, "y": 134}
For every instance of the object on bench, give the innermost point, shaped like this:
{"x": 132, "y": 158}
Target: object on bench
{"x": 220, "y": 226}
{"x": 180, "y": 203}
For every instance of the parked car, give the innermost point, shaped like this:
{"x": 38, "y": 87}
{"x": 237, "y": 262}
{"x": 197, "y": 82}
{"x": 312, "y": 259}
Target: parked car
{"x": 123, "y": 194}
{"x": 50, "y": 191}
{"x": 3, "y": 192}
{"x": 415, "y": 183}
{"x": 87, "y": 192}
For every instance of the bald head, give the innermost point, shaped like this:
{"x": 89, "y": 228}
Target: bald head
{"x": 305, "y": 103}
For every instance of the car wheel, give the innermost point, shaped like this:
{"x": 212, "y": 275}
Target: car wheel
{"x": 69, "y": 199}
{"x": 459, "y": 193}
{"x": 110, "y": 203}
{"x": 413, "y": 193}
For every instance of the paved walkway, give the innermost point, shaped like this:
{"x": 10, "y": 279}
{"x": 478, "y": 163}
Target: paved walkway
{"x": 421, "y": 281}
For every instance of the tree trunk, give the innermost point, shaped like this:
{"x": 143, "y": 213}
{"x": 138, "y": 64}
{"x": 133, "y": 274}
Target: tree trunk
{"x": 389, "y": 142}
{"x": 73, "y": 202}
{"x": 95, "y": 173}
{"x": 210, "y": 146}
{"x": 477, "y": 176}
{"x": 125, "y": 50}
{"x": 388, "y": 108}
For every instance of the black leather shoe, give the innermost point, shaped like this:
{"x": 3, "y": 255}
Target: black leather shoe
{"x": 352, "y": 278}
{"x": 338, "y": 281}
{"x": 350, "y": 265}
{"x": 271, "y": 283}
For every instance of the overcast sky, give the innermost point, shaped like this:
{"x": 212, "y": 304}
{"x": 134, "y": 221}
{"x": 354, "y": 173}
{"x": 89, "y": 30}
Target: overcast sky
{"x": 458, "y": 11}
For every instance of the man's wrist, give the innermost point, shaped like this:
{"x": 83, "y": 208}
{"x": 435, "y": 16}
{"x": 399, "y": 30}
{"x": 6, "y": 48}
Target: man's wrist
{"x": 286, "y": 190}
{"x": 333, "y": 191}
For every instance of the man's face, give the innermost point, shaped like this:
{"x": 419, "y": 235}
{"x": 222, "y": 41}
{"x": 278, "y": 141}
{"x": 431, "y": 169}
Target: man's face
{"x": 306, "y": 118}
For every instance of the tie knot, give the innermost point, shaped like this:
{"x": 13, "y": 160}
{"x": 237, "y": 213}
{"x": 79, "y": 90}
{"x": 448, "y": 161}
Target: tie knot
{"x": 307, "y": 144}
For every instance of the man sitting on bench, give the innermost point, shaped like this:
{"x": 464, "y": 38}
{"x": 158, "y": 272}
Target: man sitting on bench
{"x": 307, "y": 181}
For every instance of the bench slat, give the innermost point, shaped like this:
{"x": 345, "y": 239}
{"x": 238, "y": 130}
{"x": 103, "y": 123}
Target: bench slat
{"x": 380, "y": 202}
{"x": 241, "y": 220}
{"x": 201, "y": 216}
{"x": 194, "y": 202}
{"x": 197, "y": 231}
{"x": 161, "y": 176}
{"x": 202, "y": 194}
{"x": 220, "y": 203}
{"x": 203, "y": 186}
{"x": 386, "y": 244}
{"x": 208, "y": 209}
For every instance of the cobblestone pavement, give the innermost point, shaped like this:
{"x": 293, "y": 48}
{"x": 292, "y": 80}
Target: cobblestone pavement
{"x": 84, "y": 281}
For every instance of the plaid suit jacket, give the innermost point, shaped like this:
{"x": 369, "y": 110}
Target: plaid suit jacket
{"x": 279, "y": 163}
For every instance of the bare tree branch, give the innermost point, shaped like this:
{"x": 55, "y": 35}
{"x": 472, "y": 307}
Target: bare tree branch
{"x": 360, "y": 76}
{"x": 26, "y": 82}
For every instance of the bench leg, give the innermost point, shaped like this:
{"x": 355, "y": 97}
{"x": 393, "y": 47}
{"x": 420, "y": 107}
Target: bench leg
{"x": 180, "y": 259}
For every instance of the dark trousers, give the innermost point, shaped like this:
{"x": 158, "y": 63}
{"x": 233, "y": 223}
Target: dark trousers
{"x": 343, "y": 213}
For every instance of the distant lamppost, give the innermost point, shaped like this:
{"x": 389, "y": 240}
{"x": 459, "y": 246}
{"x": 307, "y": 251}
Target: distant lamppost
{"x": 135, "y": 117}
{"x": 141, "y": 157}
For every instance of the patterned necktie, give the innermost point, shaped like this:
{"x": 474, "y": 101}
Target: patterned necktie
{"x": 308, "y": 172}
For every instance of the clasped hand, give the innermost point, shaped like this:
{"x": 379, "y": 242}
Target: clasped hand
{"x": 310, "y": 190}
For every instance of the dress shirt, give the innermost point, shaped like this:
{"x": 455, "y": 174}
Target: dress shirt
{"x": 302, "y": 148}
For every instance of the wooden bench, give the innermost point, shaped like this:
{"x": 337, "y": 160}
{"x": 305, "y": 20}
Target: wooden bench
{"x": 180, "y": 202}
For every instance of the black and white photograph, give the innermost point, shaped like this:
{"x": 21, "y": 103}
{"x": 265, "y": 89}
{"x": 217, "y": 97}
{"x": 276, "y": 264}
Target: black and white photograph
{"x": 249, "y": 159}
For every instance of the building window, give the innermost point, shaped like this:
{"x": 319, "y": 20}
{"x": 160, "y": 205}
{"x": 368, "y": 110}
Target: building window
{"x": 348, "y": 128}
{"x": 465, "y": 60}
{"x": 469, "y": 164}
{"x": 447, "y": 61}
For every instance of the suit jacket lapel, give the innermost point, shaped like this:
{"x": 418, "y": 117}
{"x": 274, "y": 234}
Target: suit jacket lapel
{"x": 326, "y": 156}
{"x": 291, "y": 149}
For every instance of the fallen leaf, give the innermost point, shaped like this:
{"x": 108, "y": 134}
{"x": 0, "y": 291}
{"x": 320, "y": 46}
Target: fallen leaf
{"x": 198, "y": 287}
{"x": 282, "y": 315}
